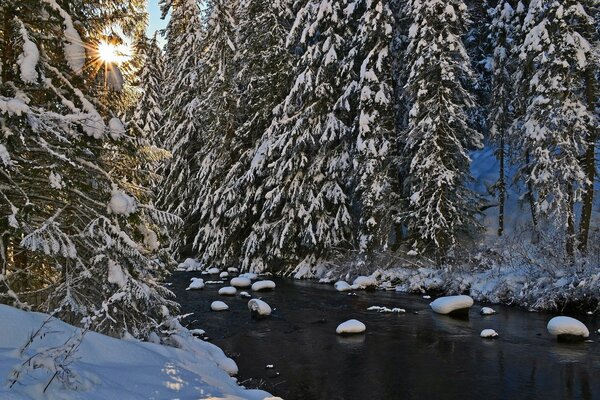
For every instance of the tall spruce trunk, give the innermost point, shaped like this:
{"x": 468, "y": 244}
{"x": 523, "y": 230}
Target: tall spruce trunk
{"x": 570, "y": 240}
{"x": 501, "y": 187}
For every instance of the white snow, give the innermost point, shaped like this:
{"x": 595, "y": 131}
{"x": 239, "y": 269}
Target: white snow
{"x": 351, "y": 326}
{"x": 487, "y": 311}
{"x": 488, "y": 334}
{"x": 363, "y": 282}
{"x": 197, "y": 332}
{"x": 213, "y": 270}
{"x": 240, "y": 282}
{"x": 250, "y": 275}
{"x": 116, "y": 128}
{"x": 245, "y": 294}
{"x": 197, "y": 283}
{"x": 4, "y": 156}
{"x": 189, "y": 265}
{"x": 342, "y": 286}
{"x": 218, "y": 306}
{"x": 383, "y": 309}
{"x": 448, "y": 304}
{"x": 233, "y": 270}
{"x": 263, "y": 285}
{"x": 567, "y": 326}
{"x": 29, "y": 58}
{"x": 116, "y": 274}
{"x": 121, "y": 204}
{"x": 107, "y": 368}
{"x": 224, "y": 274}
{"x": 259, "y": 307}
{"x": 227, "y": 291}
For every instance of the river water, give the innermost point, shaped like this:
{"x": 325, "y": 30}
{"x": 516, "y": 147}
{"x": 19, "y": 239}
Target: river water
{"x": 415, "y": 355}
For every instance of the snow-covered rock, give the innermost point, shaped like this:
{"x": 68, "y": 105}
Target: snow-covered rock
{"x": 342, "y": 286}
{"x": 250, "y": 275}
{"x": 224, "y": 274}
{"x": 350, "y": 326}
{"x": 240, "y": 282}
{"x": 487, "y": 311}
{"x": 364, "y": 282}
{"x": 263, "y": 285}
{"x": 196, "y": 283}
{"x": 488, "y": 334}
{"x": 245, "y": 295}
{"x": 189, "y": 265}
{"x": 103, "y": 367}
{"x": 567, "y": 328}
{"x": 227, "y": 291}
{"x": 383, "y": 309}
{"x": 451, "y": 304}
{"x": 213, "y": 270}
{"x": 197, "y": 332}
{"x": 259, "y": 308}
{"x": 218, "y": 306}
{"x": 233, "y": 270}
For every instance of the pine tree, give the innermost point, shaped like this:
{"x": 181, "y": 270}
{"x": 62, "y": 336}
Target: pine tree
{"x": 181, "y": 132}
{"x": 557, "y": 122}
{"x": 73, "y": 241}
{"x": 264, "y": 67}
{"x": 305, "y": 155}
{"x": 438, "y": 137}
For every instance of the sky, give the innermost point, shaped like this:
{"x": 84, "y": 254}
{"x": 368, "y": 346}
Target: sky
{"x": 154, "y": 21}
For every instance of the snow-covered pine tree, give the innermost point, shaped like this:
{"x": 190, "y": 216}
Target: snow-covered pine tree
{"x": 305, "y": 155}
{"x": 218, "y": 104}
{"x": 439, "y": 137}
{"x": 148, "y": 118}
{"x": 501, "y": 37}
{"x": 264, "y": 67}
{"x": 72, "y": 242}
{"x": 181, "y": 132}
{"x": 369, "y": 89}
{"x": 557, "y": 122}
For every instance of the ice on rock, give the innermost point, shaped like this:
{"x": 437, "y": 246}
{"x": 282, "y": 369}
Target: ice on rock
{"x": 567, "y": 327}
{"x": 227, "y": 291}
{"x": 350, "y": 326}
{"x": 259, "y": 308}
{"x": 218, "y": 306}
{"x": 451, "y": 304}
{"x": 487, "y": 311}
{"x": 263, "y": 285}
{"x": 240, "y": 282}
{"x": 224, "y": 274}
{"x": 488, "y": 334}
{"x": 196, "y": 283}
{"x": 364, "y": 282}
{"x": 342, "y": 286}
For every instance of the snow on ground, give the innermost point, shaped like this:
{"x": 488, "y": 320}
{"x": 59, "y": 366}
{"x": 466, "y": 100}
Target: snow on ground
{"x": 383, "y": 309}
{"x": 107, "y": 368}
{"x": 259, "y": 308}
{"x": 189, "y": 265}
{"x": 350, "y": 326}
{"x": 263, "y": 285}
{"x": 488, "y": 334}
{"x": 227, "y": 291}
{"x": 196, "y": 283}
{"x": 487, "y": 311}
{"x": 448, "y": 304}
{"x": 218, "y": 306}
{"x": 240, "y": 282}
{"x": 567, "y": 326}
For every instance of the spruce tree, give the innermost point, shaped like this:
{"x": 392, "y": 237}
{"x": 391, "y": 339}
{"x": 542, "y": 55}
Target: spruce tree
{"x": 439, "y": 137}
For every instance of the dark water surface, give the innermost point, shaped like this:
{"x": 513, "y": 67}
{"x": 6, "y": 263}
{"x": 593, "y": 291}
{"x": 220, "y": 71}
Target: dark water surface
{"x": 416, "y": 355}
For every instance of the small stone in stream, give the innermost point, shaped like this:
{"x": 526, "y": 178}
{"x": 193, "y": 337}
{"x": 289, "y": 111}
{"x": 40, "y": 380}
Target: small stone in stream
{"x": 426, "y": 297}
{"x": 269, "y": 366}
{"x": 598, "y": 331}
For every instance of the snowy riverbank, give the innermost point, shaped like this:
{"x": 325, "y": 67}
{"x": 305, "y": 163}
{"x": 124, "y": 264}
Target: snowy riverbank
{"x": 100, "y": 367}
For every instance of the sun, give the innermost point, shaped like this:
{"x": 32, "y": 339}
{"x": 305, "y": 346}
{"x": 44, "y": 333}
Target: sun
{"x": 109, "y": 53}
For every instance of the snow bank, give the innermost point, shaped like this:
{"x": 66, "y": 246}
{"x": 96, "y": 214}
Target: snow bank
{"x": 259, "y": 308}
{"x": 350, "y": 326}
{"x": 218, "y": 306}
{"x": 227, "y": 291}
{"x": 364, "y": 282}
{"x": 263, "y": 285}
{"x": 107, "y": 368}
{"x": 488, "y": 334}
{"x": 240, "y": 282}
{"x": 197, "y": 283}
{"x": 342, "y": 286}
{"x": 567, "y": 326}
{"x": 449, "y": 304}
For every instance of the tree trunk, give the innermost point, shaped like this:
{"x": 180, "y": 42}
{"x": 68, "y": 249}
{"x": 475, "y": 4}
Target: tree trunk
{"x": 570, "y": 243}
{"x": 501, "y": 188}
{"x": 530, "y": 196}
{"x": 589, "y": 165}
